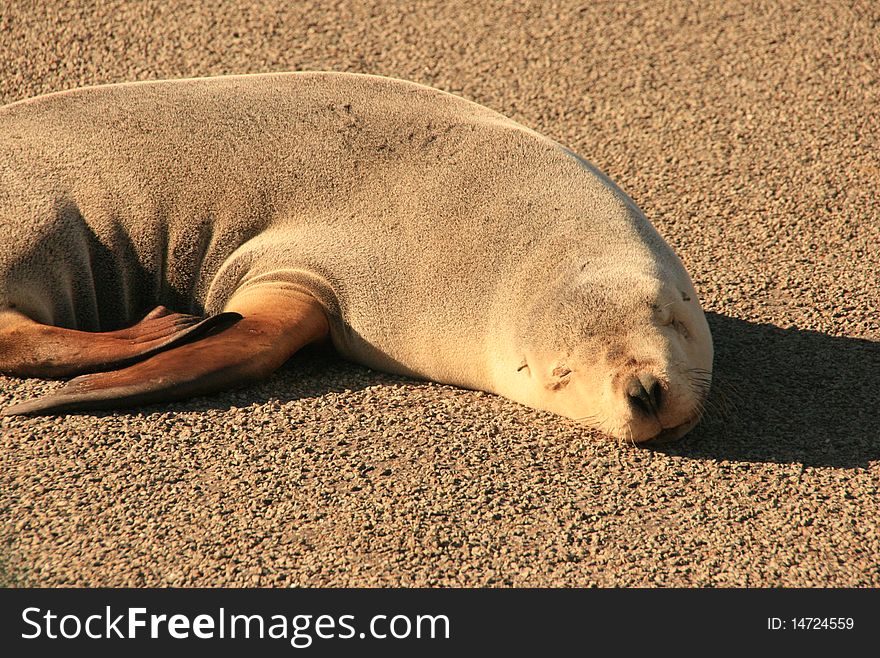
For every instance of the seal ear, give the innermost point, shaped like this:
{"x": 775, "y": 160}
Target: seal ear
{"x": 559, "y": 378}
{"x": 273, "y": 325}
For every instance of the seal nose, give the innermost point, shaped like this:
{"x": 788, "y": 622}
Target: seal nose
{"x": 645, "y": 394}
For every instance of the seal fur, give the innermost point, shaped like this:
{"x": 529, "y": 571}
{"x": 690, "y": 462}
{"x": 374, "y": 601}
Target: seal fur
{"x": 432, "y": 236}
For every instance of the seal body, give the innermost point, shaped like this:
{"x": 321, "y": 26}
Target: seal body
{"x": 441, "y": 239}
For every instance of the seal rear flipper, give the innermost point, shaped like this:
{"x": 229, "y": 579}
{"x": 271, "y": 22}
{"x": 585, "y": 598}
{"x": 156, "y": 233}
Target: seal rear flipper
{"x": 31, "y": 349}
{"x": 271, "y": 329}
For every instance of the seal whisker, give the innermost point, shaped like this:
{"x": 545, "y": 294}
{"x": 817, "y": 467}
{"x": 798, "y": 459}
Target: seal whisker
{"x": 631, "y": 436}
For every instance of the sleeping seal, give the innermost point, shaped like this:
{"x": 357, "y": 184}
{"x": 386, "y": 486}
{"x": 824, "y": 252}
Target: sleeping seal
{"x": 421, "y": 233}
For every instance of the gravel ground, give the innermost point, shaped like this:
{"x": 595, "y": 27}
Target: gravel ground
{"x": 748, "y": 132}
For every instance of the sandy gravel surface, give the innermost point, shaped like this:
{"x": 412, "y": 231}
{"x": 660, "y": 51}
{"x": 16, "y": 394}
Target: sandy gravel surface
{"x": 748, "y": 132}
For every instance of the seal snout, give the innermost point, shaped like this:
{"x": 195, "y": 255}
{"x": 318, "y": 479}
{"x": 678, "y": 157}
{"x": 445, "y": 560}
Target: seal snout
{"x": 658, "y": 409}
{"x": 645, "y": 394}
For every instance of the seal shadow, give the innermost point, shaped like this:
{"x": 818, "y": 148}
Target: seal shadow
{"x": 788, "y": 396}
{"x": 779, "y": 395}
{"x": 315, "y": 371}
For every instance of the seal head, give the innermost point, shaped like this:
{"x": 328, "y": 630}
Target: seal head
{"x": 610, "y": 333}
{"x": 631, "y": 355}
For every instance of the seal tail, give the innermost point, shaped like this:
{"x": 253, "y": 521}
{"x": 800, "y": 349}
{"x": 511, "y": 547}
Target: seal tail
{"x": 264, "y": 332}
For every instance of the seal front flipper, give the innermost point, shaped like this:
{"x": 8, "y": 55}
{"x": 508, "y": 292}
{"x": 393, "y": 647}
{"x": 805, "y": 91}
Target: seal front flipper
{"x": 31, "y": 349}
{"x": 274, "y": 324}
